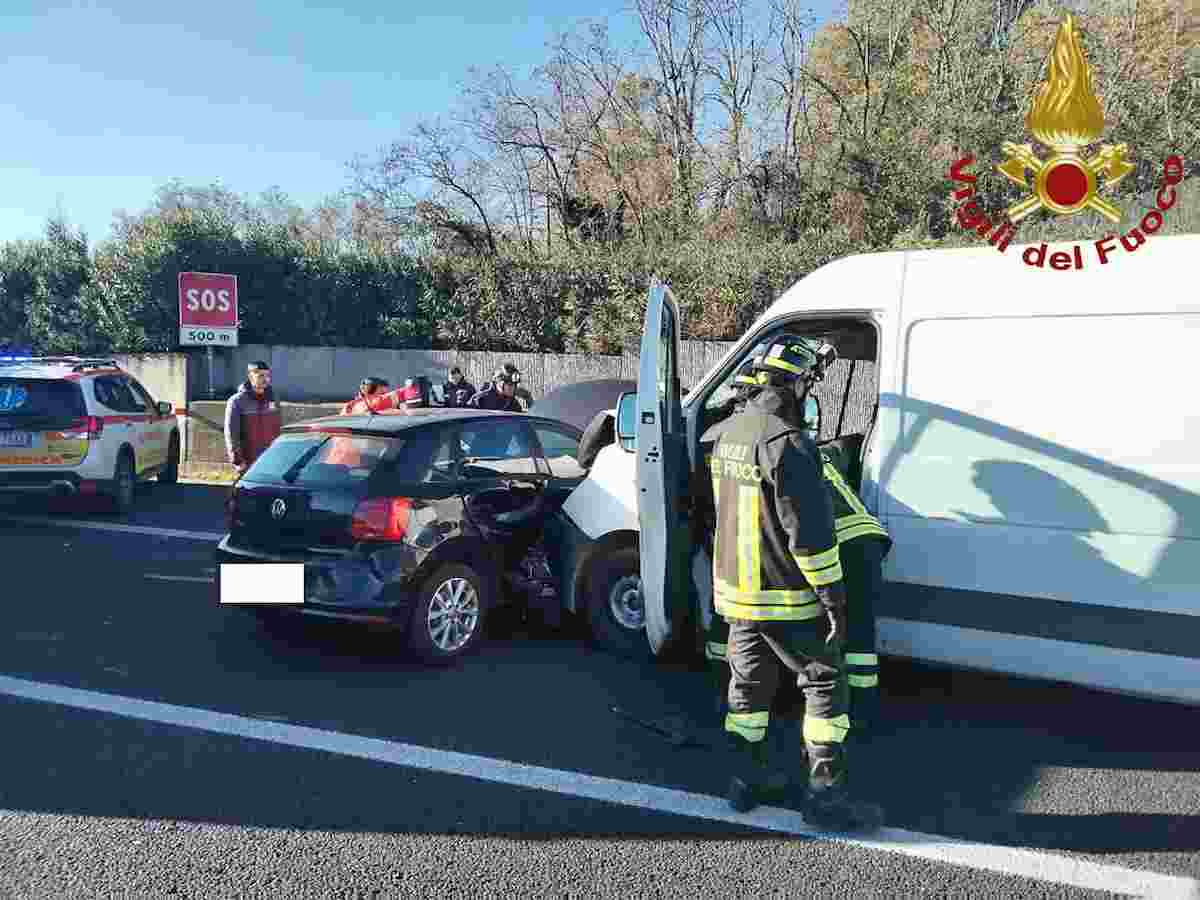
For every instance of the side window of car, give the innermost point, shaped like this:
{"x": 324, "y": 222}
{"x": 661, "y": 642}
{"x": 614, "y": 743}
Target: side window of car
{"x": 113, "y": 393}
{"x": 140, "y": 392}
{"x": 134, "y": 396}
{"x": 562, "y": 452}
{"x": 496, "y": 449}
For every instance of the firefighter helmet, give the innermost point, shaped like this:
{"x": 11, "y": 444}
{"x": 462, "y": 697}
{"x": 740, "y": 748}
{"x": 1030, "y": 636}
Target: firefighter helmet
{"x": 791, "y": 357}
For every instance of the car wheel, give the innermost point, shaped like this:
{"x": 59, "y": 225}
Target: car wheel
{"x": 448, "y": 617}
{"x": 124, "y": 485}
{"x": 616, "y": 608}
{"x": 170, "y": 475}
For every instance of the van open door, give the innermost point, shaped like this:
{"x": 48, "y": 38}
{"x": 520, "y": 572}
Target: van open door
{"x": 662, "y": 475}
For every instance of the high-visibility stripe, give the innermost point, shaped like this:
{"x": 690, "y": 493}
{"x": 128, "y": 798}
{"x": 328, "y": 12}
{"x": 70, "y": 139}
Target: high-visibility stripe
{"x": 749, "y": 531}
{"x": 862, "y": 659}
{"x": 713, "y": 650}
{"x": 716, "y": 485}
{"x": 858, "y": 531}
{"x": 839, "y": 483}
{"x": 826, "y": 731}
{"x": 827, "y": 575}
{"x": 751, "y": 726}
{"x": 818, "y": 560}
{"x": 862, "y": 681}
{"x": 780, "y": 597}
{"x": 776, "y": 363}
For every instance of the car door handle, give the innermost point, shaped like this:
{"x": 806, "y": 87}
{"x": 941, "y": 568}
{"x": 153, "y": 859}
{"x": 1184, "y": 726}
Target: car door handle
{"x": 652, "y": 456}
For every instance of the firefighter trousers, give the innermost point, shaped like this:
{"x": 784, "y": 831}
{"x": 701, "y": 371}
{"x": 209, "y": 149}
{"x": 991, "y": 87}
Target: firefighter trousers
{"x": 755, "y": 650}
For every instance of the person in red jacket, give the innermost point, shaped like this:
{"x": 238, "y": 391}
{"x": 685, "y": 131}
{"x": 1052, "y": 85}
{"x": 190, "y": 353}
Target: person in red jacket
{"x": 373, "y": 392}
{"x": 252, "y": 418}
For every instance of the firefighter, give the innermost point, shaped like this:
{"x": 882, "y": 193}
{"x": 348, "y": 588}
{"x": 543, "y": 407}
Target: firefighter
{"x": 777, "y": 580}
{"x": 863, "y": 544}
{"x": 500, "y": 394}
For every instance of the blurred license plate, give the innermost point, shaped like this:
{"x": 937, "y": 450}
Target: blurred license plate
{"x": 16, "y": 439}
{"x": 255, "y": 583}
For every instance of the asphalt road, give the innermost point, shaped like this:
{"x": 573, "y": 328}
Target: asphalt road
{"x": 95, "y": 804}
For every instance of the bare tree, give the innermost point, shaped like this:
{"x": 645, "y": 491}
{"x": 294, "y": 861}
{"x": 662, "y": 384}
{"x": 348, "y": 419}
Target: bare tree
{"x": 435, "y": 180}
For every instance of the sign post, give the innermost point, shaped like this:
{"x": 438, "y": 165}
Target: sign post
{"x": 208, "y": 314}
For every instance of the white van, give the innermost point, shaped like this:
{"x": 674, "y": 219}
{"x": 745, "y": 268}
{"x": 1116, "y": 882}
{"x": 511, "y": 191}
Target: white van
{"x": 1029, "y": 437}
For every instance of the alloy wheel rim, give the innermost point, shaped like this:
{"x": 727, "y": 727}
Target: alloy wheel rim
{"x": 453, "y": 614}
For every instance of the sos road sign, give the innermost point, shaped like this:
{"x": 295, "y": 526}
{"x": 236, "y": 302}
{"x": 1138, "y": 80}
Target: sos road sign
{"x": 208, "y": 309}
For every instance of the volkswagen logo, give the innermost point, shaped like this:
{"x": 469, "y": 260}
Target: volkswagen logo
{"x": 278, "y": 509}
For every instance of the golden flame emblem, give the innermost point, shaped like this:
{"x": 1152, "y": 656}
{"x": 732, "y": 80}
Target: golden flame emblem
{"x": 1066, "y": 116}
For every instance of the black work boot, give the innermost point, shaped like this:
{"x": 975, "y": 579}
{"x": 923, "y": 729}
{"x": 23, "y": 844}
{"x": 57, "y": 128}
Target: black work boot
{"x": 754, "y": 781}
{"x": 833, "y": 809}
{"x": 827, "y": 804}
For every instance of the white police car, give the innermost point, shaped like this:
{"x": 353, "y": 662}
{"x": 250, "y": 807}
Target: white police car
{"x": 81, "y": 426}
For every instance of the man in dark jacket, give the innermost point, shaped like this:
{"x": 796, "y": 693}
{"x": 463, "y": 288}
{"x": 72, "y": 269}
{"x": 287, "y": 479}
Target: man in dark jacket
{"x": 500, "y": 394}
{"x": 252, "y": 418}
{"x": 457, "y": 391}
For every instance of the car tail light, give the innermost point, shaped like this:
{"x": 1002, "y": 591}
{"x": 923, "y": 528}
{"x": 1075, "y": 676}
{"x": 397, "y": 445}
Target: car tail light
{"x": 381, "y": 519}
{"x": 88, "y": 429}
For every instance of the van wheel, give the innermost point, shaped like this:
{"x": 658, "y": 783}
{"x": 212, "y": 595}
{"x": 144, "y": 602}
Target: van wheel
{"x": 124, "y": 484}
{"x": 448, "y": 617}
{"x": 616, "y": 609}
{"x": 170, "y": 474}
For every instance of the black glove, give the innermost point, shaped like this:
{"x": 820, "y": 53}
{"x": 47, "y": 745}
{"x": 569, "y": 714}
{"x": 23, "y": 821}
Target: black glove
{"x": 833, "y": 598}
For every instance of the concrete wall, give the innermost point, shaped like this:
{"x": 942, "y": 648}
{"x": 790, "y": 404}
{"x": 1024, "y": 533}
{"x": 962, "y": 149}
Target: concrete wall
{"x": 318, "y": 374}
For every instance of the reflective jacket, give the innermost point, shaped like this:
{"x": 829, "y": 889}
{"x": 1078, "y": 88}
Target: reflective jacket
{"x": 251, "y": 424}
{"x": 850, "y": 517}
{"x": 775, "y": 540}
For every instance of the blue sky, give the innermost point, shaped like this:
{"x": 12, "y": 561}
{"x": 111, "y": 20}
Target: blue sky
{"x": 103, "y": 102}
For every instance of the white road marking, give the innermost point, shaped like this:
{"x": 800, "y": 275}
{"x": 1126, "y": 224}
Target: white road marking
{"x": 114, "y": 526}
{"x": 1024, "y": 863}
{"x": 198, "y": 579}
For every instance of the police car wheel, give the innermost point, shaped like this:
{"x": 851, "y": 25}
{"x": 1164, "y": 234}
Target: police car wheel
{"x": 616, "y": 610}
{"x": 448, "y": 616}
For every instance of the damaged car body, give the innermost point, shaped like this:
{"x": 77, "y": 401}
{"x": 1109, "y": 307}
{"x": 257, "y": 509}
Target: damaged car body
{"x": 425, "y": 521}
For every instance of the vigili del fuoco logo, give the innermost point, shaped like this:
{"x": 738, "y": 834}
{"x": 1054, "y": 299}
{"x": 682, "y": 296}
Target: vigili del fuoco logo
{"x": 1065, "y": 117}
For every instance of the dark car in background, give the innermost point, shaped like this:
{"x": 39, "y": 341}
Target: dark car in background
{"x": 424, "y": 521}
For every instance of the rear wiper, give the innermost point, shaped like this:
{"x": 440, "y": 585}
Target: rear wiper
{"x": 294, "y": 469}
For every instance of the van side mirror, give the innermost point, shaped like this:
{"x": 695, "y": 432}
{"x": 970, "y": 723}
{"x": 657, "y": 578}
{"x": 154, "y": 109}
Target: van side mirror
{"x": 165, "y": 408}
{"x": 626, "y": 424}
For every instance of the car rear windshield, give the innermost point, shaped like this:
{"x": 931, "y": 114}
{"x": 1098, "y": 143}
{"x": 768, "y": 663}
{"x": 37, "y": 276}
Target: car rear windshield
{"x": 321, "y": 458}
{"x": 39, "y": 398}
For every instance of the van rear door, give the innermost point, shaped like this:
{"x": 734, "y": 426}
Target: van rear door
{"x": 662, "y": 474}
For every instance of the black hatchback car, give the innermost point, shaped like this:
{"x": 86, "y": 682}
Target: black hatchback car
{"x": 424, "y": 520}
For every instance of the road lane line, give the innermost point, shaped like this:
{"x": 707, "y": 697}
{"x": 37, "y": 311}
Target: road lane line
{"x": 114, "y": 526}
{"x": 1007, "y": 860}
{"x": 193, "y": 578}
